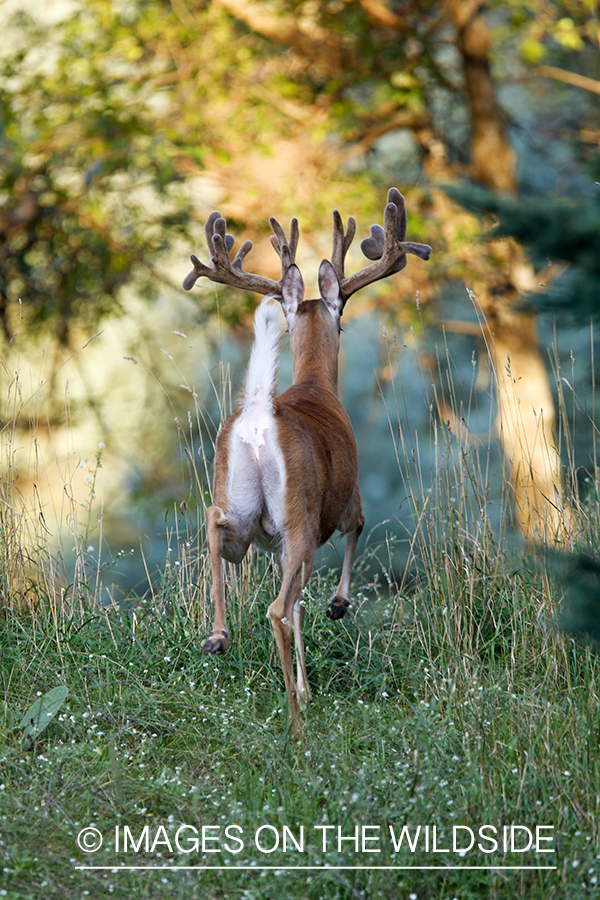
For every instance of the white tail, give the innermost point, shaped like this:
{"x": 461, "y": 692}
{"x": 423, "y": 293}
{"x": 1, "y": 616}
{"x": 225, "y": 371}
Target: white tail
{"x": 261, "y": 379}
{"x": 286, "y": 467}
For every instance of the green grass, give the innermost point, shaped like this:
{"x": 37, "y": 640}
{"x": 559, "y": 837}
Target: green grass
{"x": 465, "y": 709}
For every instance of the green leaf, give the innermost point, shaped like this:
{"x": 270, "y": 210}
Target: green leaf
{"x": 41, "y": 713}
{"x": 533, "y": 50}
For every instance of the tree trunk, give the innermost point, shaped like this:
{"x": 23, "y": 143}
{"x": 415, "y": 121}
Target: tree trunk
{"x": 526, "y": 414}
{"x": 493, "y": 156}
{"x": 525, "y": 424}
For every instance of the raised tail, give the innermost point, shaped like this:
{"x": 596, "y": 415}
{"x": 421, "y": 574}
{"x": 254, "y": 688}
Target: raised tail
{"x": 261, "y": 378}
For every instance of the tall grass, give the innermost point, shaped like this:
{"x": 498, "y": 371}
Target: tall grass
{"x": 447, "y": 697}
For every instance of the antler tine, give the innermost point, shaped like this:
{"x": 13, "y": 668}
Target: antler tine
{"x": 394, "y": 196}
{"x": 294, "y": 238}
{"x": 385, "y": 245}
{"x": 221, "y": 269}
{"x": 286, "y": 250}
{"x": 209, "y": 227}
{"x": 278, "y": 238}
{"x": 341, "y": 243}
{"x": 241, "y": 254}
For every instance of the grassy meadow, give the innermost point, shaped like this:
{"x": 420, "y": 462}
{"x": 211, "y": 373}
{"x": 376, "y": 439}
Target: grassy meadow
{"x": 447, "y": 703}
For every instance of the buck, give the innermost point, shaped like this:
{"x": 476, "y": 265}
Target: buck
{"x": 286, "y": 468}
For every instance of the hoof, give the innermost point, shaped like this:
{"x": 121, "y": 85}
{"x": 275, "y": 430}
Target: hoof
{"x": 216, "y": 644}
{"x": 304, "y": 699}
{"x": 338, "y": 607}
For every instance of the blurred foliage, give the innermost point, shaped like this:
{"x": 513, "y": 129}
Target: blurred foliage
{"x": 122, "y": 124}
{"x": 90, "y": 191}
{"x": 539, "y": 27}
{"x": 580, "y": 614}
{"x": 577, "y": 575}
{"x": 553, "y": 230}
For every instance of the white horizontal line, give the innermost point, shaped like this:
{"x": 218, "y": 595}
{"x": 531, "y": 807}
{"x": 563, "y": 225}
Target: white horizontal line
{"x": 309, "y": 868}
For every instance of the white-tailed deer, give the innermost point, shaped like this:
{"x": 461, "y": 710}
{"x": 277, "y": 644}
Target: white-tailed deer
{"x": 286, "y": 470}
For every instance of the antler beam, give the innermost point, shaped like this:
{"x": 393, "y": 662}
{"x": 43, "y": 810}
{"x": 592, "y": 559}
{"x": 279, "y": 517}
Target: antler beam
{"x": 386, "y": 245}
{"x": 224, "y": 270}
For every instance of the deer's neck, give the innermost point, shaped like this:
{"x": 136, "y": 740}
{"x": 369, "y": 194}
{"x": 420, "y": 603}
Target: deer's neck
{"x": 315, "y": 345}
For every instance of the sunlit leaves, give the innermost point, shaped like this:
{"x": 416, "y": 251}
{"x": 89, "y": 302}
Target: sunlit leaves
{"x": 83, "y": 159}
{"x": 546, "y": 27}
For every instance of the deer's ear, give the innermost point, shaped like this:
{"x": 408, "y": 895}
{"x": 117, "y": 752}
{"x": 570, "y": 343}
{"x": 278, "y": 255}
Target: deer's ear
{"x": 292, "y": 291}
{"x": 329, "y": 288}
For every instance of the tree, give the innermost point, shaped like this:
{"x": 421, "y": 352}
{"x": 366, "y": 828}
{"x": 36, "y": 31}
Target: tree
{"x": 375, "y": 68}
{"x": 80, "y": 156}
{"x": 256, "y": 107}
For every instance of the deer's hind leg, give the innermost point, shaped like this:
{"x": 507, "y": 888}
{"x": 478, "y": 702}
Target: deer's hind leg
{"x": 221, "y": 532}
{"x": 285, "y": 612}
{"x": 230, "y": 526}
{"x": 302, "y": 686}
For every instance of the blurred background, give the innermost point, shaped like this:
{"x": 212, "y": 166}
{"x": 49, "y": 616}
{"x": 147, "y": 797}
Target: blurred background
{"x": 123, "y": 124}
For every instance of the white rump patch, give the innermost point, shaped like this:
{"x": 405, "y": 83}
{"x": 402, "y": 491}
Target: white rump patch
{"x": 251, "y": 426}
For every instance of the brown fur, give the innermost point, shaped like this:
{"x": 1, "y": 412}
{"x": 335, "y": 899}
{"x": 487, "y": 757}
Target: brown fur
{"x": 321, "y": 457}
{"x": 322, "y": 495}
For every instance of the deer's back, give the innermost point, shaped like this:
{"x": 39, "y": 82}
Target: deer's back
{"x": 319, "y": 447}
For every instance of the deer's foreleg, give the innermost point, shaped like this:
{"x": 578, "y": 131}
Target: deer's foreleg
{"x": 339, "y": 603}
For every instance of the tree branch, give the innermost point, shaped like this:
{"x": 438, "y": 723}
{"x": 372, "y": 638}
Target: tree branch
{"x": 588, "y": 84}
{"x": 305, "y": 35}
{"x": 403, "y": 118}
{"x": 380, "y": 13}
